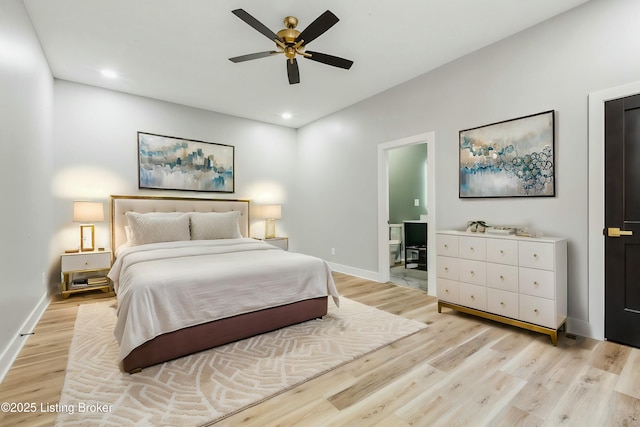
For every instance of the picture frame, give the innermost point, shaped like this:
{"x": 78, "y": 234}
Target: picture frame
{"x": 512, "y": 158}
{"x": 171, "y": 163}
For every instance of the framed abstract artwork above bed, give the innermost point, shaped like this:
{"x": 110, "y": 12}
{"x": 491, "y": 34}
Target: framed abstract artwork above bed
{"x": 170, "y": 163}
{"x": 513, "y": 158}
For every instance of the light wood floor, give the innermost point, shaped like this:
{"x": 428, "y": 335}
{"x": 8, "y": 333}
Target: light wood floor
{"x": 459, "y": 371}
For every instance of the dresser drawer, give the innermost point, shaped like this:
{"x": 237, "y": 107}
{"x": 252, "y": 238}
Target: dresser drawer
{"x": 446, "y": 245}
{"x": 503, "y": 303}
{"x": 501, "y": 276}
{"x": 447, "y": 267}
{"x": 472, "y": 272}
{"x": 540, "y": 311}
{"x": 473, "y": 296}
{"x": 448, "y": 290}
{"x": 87, "y": 261}
{"x": 538, "y": 283}
{"x": 472, "y": 248}
{"x": 536, "y": 255}
{"x": 502, "y": 251}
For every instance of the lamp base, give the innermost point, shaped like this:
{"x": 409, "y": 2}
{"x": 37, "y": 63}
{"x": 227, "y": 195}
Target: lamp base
{"x": 269, "y": 228}
{"x": 87, "y": 238}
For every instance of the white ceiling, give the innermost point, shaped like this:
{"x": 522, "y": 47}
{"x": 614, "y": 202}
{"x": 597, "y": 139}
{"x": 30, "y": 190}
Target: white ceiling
{"x": 178, "y": 50}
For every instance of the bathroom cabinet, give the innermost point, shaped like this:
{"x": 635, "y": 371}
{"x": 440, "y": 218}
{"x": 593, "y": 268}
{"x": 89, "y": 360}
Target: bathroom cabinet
{"x": 415, "y": 245}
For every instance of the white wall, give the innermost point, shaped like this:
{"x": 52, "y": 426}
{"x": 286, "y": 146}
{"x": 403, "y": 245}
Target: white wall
{"x": 95, "y": 136}
{"x": 407, "y": 182}
{"x": 26, "y": 94}
{"x": 554, "y": 65}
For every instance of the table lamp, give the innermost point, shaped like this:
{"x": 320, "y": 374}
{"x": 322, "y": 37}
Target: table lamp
{"x": 271, "y": 213}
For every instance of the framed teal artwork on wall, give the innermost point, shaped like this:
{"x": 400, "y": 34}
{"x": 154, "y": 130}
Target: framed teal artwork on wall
{"x": 170, "y": 163}
{"x": 512, "y": 158}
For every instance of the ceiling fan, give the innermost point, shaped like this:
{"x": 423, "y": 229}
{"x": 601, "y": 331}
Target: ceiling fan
{"x": 292, "y": 42}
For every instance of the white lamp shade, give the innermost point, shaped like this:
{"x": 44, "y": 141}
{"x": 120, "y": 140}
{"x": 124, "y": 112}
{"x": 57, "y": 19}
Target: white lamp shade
{"x": 88, "y": 211}
{"x": 271, "y": 211}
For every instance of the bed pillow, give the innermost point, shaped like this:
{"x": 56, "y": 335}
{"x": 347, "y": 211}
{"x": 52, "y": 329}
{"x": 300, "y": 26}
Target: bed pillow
{"x": 215, "y": 225}
{"x": 153, "y": 228}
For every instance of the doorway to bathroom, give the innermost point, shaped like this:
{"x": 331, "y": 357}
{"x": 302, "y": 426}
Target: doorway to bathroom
{"x": 406, "y": 215}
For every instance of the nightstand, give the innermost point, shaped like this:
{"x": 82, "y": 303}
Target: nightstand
{"x": 281, "y": 242}
{"x": 85, "y": 271}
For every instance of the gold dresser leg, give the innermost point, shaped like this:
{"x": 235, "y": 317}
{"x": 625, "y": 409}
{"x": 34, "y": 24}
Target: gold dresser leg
{"x": 553, "y": 333}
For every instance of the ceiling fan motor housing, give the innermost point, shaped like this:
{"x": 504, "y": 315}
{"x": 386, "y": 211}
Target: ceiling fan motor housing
{"x": 289, "y": 34}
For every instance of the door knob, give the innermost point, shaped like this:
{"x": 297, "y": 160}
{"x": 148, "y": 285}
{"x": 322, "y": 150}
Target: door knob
{"x": 616, "y": 232}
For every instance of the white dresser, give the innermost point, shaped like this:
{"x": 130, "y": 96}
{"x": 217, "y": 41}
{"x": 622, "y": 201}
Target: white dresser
{"x": 520, "y": 281}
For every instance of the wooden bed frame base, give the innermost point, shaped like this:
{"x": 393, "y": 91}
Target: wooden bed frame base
{"x": 202, "y": 337}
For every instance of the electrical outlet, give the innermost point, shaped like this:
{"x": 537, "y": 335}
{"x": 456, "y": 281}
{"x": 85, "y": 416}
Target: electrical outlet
{"x": 416, "y": 202}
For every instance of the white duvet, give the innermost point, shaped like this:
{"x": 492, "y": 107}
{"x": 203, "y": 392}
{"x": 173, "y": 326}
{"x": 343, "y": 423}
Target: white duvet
{"x": 163, "y": 287}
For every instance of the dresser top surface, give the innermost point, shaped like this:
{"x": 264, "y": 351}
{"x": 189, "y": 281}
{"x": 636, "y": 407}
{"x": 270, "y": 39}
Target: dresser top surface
{"x": 502, "y": 236}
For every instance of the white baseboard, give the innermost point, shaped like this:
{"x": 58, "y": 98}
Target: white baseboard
{"x": 584, "y": 329}
{"x": 13, "y": 349}
{"x": 352, "y": 271}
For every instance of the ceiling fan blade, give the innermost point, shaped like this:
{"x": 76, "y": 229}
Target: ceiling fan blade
{"x": 251, "y": 56}
{"x": 292, "y": 71}
{"x": 329, "y": 60}
{"x": 257, "y": 25}
{"x": 317, "y": 27}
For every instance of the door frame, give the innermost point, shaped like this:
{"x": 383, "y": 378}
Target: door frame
{"x": 595, "y": 326}
{"x": 383, "y": 202}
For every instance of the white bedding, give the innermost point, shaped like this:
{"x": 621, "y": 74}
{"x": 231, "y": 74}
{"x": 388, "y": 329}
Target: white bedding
{"x": 163, "y": 287}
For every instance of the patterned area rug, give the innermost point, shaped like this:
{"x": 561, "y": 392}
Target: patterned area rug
{"x": 211, "y": 385}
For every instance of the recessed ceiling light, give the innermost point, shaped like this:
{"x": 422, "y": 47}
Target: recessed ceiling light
{"x": 110, "y": 74}
{"x": 286, "y": 115}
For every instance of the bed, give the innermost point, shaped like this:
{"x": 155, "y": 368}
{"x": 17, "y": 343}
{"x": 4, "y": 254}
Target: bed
{"x": 181, "y": 291}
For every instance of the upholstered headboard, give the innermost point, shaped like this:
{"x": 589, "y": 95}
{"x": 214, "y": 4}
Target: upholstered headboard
{"x": 144, "y": 204}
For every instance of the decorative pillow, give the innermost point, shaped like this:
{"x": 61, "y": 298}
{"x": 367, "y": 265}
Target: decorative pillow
{"x": 154, "y": 228}
{"x": 215, "y": 225}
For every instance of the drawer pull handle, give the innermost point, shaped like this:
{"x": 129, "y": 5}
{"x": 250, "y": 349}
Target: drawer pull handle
{"x": 502, "y": 303}
{"x": 446, "y": 291}
{"x": 535, "y": 283}
{"x": 446, "y": 269}
{"x": 86, "y": 263}
{"x": 535, "y": 310}
{"x": 535, "y": 256}
{"x": 472, "y": 273}
{"x": 446, "y": 246}
{"x": 473, "y": 297}
{"x": 472, "y": 249}
{"x": 501, "y": 252}
{"x": 501, "y": 277}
